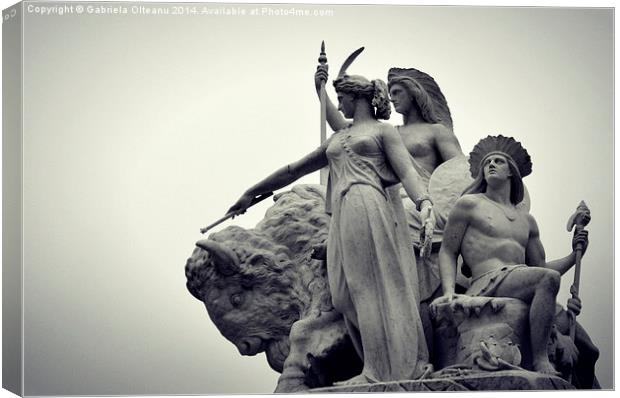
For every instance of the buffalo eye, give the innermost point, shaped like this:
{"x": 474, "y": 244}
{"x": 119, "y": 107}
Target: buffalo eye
{"x": 257, "y": 260}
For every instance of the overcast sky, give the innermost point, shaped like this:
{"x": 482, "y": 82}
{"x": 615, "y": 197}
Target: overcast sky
{"x": 140, "y": 129}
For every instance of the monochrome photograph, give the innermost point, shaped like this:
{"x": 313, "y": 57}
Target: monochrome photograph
{"x": 245, "y": 198}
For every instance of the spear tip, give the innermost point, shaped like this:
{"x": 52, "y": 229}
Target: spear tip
{"x": 323, "y": 56}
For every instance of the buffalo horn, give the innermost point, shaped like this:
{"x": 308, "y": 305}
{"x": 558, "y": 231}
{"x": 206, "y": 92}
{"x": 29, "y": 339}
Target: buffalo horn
{"x": 225, "y": 260}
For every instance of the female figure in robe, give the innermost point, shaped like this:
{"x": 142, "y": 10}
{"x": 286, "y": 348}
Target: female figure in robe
{"x": 429, "y": 138}
{"x": 370, "y": 261}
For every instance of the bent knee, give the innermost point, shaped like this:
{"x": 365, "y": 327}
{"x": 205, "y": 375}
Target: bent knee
{"x": 550, "y": 280}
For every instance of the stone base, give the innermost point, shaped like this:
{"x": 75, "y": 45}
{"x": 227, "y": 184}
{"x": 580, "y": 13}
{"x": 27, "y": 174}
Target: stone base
{"x": 508, "y": 380}
{"x": 501, "y": 323}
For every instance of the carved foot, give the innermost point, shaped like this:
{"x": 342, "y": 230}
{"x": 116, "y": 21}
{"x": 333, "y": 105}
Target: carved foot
{"x": 359, "y": 379}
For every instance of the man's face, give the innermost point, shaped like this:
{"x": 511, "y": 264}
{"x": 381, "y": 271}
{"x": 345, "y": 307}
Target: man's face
{"x": 400, "y": 98}
{"x": 496, "y": 168}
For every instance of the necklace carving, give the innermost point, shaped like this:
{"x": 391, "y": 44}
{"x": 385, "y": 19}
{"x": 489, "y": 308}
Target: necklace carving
{"x": 509, "y": 212}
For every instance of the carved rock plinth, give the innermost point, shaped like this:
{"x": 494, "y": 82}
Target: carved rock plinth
{"x": 510, "y": 380}
{"x": 482, "y": 332}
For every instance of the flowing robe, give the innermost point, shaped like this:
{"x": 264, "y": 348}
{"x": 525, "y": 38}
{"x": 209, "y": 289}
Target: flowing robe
{"x": 371, "y": 265}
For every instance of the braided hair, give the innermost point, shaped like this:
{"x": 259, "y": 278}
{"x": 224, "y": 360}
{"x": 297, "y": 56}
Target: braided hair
{"x": 375, "y": 91}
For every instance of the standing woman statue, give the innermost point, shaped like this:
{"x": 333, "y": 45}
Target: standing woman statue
{"x": 370, "y": 261}
{"x": 427, "y": 134}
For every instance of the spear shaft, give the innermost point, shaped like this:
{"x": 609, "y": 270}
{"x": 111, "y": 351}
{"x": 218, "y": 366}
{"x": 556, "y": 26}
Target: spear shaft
{"x": 257, "y": 199}
{"x": 579, "y": 220}
{"x": 323, "y": 99}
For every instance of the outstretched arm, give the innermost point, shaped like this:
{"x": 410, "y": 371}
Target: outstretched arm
{"x": 446, "y": 142}
{"x": 283, "y": 177}
{"x": 334, "y": 118}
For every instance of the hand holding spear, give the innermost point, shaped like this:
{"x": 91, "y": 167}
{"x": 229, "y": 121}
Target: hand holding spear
{"x": 579, "y": 220}
{"x": 232, "y": 213}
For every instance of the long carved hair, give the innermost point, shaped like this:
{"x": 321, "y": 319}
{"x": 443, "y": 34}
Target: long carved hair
{"x": 425, "y": 92}
{"x": 375, "y": 91}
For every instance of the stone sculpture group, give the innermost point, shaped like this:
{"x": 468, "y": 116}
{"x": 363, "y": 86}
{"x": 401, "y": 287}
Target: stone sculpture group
{"x": 385, "y": 279}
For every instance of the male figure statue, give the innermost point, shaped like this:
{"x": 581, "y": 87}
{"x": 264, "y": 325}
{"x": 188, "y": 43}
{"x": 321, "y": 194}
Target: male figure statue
{"x": 500, "y": 242}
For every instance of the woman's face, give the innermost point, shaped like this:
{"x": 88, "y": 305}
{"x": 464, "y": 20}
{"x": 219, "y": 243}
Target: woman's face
{"x": 346, "y": 104}
{"x": 400, "y": 98}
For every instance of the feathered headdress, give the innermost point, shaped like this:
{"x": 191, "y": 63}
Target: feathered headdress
{"x": 438, "y": 105}
{"x": 506, "y": 146}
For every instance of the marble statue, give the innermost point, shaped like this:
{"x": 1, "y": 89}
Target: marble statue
{"x": 370, "y": 262}
{"x": 500, "y": 245}
{"x": 265, "y": 293}
{"x": 335, "y": 283}
{"x": 427, "y": 132}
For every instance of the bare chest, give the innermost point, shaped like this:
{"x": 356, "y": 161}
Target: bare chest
{"x": 496, "y": 221}
{"x": 420, "y": 142}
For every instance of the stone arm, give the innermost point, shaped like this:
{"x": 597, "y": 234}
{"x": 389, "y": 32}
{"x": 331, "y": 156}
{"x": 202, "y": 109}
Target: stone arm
{"x": 456, "y": 226}
{"x": 446, "y": 143}
{"x": 282, "y": 177}
{"x": 535, "y": 252}
{"x": 334, "y": 118}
